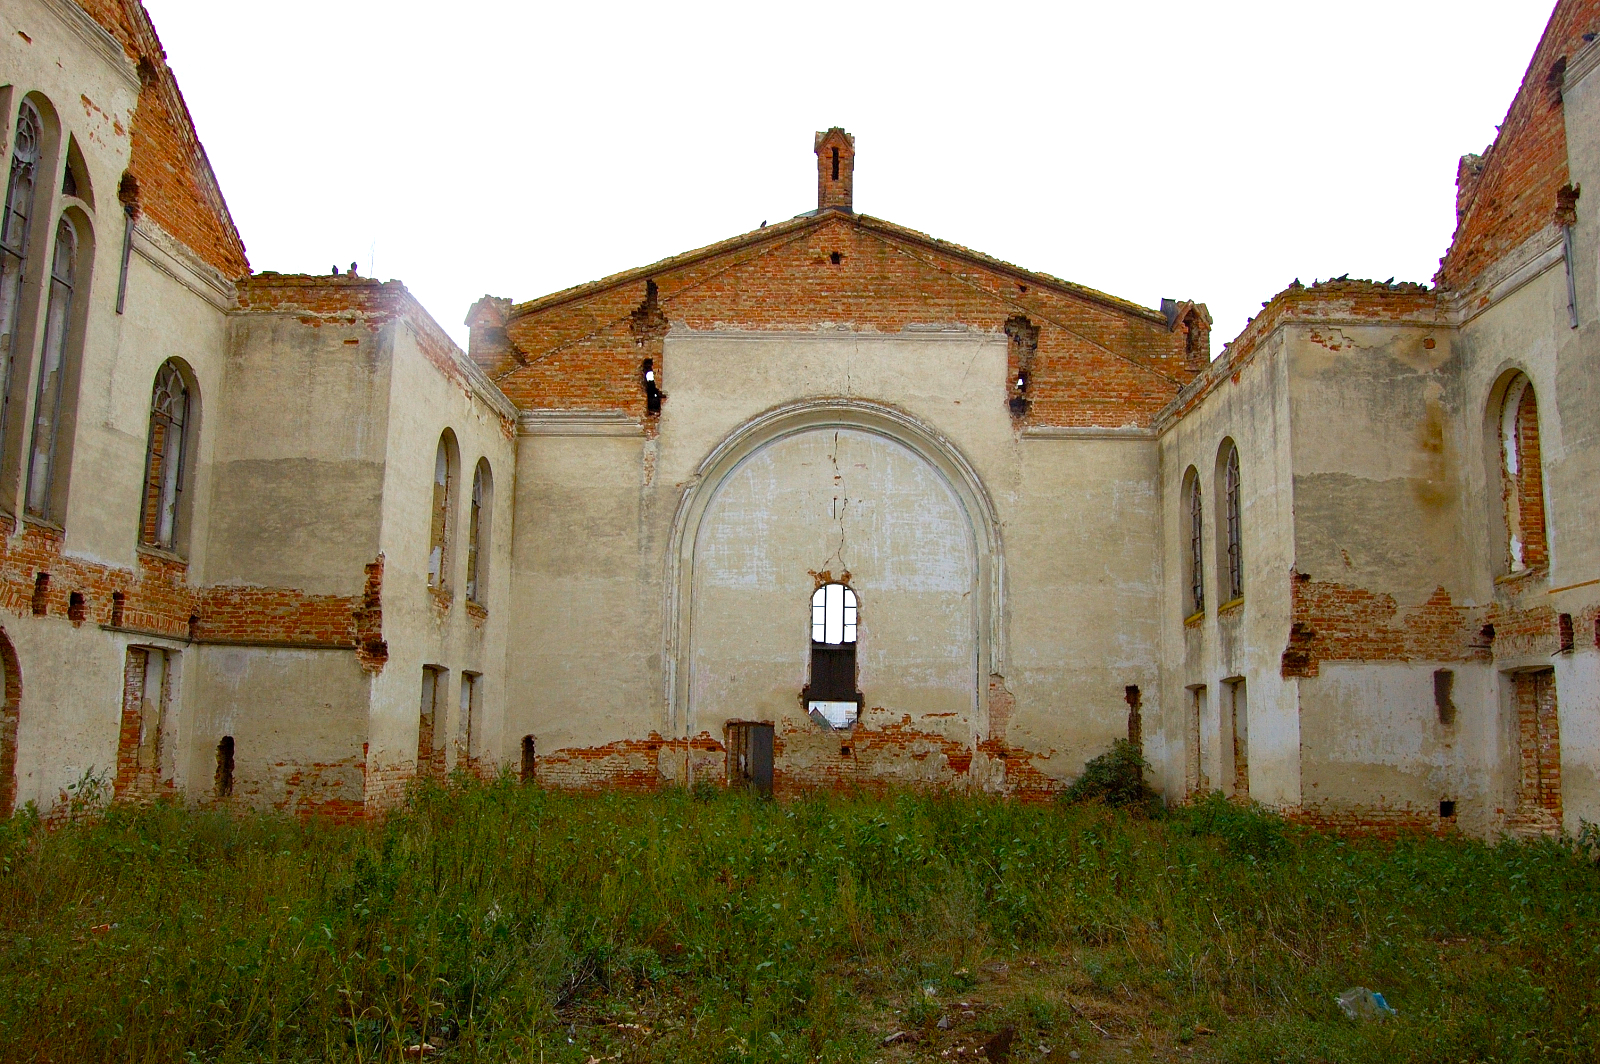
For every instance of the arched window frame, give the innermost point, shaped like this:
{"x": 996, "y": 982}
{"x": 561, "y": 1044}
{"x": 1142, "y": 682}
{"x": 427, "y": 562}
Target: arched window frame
{"x": 174, "y": 410}
{"x": 1230, "y": 525}
{"x": 47, "y": 458}
{"x": 441, "y": 526}
{"x": 1194, "y": 567}
{"x": 26, "y": 151}
{"x": 480, "y": 518}
{"x": 1522, "y": 477}
{"x": 831, "y": 695}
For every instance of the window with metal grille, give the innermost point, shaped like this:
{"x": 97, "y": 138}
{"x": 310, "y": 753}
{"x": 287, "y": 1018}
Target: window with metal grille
{"x": 14, "y": 226}
{"x": 52, "y": 375}
{"x": 165, "y": 458}
{"x": 1235, "y": 545}
{"x": 831, "y": 696}
{"x": 1196, "y": 559}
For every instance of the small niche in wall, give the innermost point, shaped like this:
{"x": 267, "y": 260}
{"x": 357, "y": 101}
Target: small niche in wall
{"x": 1447, "y": 809}
{"x": 1444, "y": 683}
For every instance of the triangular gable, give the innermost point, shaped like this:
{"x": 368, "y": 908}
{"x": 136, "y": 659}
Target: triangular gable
{"x": 577, "y": 349}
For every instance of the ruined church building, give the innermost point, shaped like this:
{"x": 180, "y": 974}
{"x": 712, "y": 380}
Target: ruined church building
{"x": 831, "y": 503}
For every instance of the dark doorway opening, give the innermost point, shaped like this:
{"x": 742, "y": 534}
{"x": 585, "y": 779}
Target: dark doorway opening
{"x": 750, "y": 756}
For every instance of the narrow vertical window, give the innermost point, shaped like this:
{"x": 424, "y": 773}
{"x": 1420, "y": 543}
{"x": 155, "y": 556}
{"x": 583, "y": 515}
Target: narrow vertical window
{"x": 14, "y": 226}
{"x": 1194, "y": 567}
{"x": 831, "y": 696}
{"x": 433, "y": 697}
{"x": 164, "y": 459}
{"x": 52, "y": 372}
{"x": 1234, "y": 531}
{"x": 471, "y": 701}
{"x": 836, "y": 164}
{"x": 1522, "y": 478}
{"x": 440, "y": 530}
{"x": 478, "y": 520}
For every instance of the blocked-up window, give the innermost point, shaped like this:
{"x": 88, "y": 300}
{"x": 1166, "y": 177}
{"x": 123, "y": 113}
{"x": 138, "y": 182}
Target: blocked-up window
{"x": 143, "y": 757}
{"x": 470, "y": 708}
{"x": 1522, "y": 477}
{"x": 1239, "y": 736}
{"x": 430, "y": 754}
{"x": 165, "y": 458}
{"x": 14, "y": 228}
{"x": 444, "y": 480}
{"x": 53, "y": 372}
{"x": 1196, "y": 781}
{"x": 831, "y": 695}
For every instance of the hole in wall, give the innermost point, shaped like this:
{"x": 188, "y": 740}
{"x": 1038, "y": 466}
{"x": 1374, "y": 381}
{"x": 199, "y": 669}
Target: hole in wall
{"x": 118, "y": 603}
{"x": 224, "y": 777}
{"x": 77, "y": 608}
{"x": 530, "y": 763}
{"x": 1564, "y": 629}
{"x": 836, "y": 258}
{"x": 1447, "y": 809}
{"x": 1444, "y": 682}
{"x": 41, "y": 594}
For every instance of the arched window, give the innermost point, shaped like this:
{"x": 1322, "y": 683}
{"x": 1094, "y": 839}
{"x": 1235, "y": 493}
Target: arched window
{"x": 831, "y": 696}
{"x": 1231, "y": 571}
{"x": 14, "y": 226}
{"x": 444, "y": 488}
{"x": 478, "y": 520}
{"x": 1522, "y": 478}
{"x": 165, "y": 458}
{"x": 1194, "y": 566}
{"x": 52, "y": 375}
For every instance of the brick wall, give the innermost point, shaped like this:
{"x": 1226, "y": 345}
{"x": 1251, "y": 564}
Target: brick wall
{"x": 1100, "y": 360}
{"x": 175, "y": 184}
{"x": 1511, "y": 192}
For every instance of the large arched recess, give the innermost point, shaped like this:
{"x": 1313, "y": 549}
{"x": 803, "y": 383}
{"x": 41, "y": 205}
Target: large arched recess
{"x": 798, "y": 429}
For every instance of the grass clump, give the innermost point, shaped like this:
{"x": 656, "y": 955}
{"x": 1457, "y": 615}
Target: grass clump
{"x": 506, "y": 923}
{"x": 1115, "y": 779}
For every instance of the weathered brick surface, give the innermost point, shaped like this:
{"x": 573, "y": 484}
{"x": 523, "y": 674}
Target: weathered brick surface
{"x": 176, "y": 186}
{"x": 1100, "y": 360}
{"x": 1511, "y": 192}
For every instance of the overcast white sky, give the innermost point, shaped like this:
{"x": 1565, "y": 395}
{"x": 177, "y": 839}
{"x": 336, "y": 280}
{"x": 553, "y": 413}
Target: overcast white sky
{"x": 1212, "y": 151}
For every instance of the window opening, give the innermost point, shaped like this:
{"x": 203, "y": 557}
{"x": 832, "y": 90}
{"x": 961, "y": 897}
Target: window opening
{"x": 836, "y": 164}
{"x": 14, "y": 227}
{"x": 41, "y": 594}
{"x": 118, "y": 603}
{"x": 439, "y": 533}
{"x": 77, "y": 607}
{"x": 652, "y": 386}
{"x": 478, "y": 520}
{"x": 1230, "y": 487}
{"x": 164, "y": 459}
{"x": 831, "y": 696}
{"x": 52, "y": 372}
{"x": 1447, "y": 809}
{"x": 1538, "y": 745}
{"x": 835, "y": 257}
{"x": 1522, "y": 480}
{"x": 1197, "y": 565}
{"x": 529, "y": 759}
{"x": 224, "y": 778}
{"x": 1564, "y": 630}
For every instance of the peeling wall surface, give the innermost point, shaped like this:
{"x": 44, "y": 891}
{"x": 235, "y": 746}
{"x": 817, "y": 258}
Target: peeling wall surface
{"x": 1347, "y": 568}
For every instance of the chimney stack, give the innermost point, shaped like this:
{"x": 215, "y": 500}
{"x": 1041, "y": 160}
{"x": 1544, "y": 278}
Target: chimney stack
{"x": 836, "y": 164}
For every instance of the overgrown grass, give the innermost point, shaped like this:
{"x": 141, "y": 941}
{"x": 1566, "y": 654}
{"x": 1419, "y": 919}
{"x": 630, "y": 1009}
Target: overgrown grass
{"x": 508, "y": 923}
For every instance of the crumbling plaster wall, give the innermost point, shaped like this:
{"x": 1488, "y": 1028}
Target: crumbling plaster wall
{"x": 1384, "y": 576}
{"x": 595, "y": 533}
{"x": 1242, "y": 397}
{"x": 431, "y": 390}
{"x": 175, "y": 307}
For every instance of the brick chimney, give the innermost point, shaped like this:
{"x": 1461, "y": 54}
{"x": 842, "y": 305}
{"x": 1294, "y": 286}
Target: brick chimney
{"x": 836, "y": 164}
